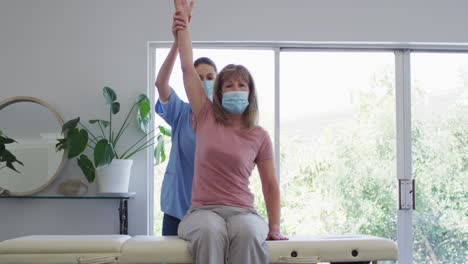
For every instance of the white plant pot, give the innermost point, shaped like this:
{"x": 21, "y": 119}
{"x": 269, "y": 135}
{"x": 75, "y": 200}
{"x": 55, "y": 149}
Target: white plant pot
{"x": 115, "y": 177}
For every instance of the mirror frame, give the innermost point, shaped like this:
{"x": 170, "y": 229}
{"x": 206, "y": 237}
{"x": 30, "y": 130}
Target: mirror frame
{"x": 19, "y": 99}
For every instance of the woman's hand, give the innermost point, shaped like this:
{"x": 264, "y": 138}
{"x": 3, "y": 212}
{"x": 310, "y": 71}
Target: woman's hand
{"x": 184, "y": 8}
{"x": 178, "y": 23}
{"x": 275, "y": 235}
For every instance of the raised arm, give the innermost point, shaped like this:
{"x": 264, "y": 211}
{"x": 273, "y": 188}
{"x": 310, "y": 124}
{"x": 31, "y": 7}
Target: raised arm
{"x": 271, "y": 193}
{"x": 164, "y": 74}
{"x": 193, "y": 85}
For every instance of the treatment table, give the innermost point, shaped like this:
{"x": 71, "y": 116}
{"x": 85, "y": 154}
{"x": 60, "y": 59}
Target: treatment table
{"x": 123, "y": 249}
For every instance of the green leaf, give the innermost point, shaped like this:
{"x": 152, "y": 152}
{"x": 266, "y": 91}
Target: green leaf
{"x": 165, "y": 131}
{"x": 115, "y": 107}
{"x": 6, "y": 140}
{"x": 144, "y": 106}
{"x": 103, "y": 153}
{"x": 109, "y": 95}
{"x": 103, "y": 123}
{"x": 77, "y": 140}
{"x": 143, "y": 113}
{"x": 70, "y": 124}
{"x": 159, "y": 151}
{"x": 10, "y": 165}
{"x": 145, "y": 123}
{"x": 62, "y": 144}
{"x": 87, "y": 167}
{"x": 9, "y": 140}
{"x": 142, "y": 97}
{"x": 9, "y": 158}
{"x": 1, "y": 132}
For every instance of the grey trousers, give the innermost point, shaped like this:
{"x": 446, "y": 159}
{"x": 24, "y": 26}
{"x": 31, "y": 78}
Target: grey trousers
{"x": 225, "y": 234}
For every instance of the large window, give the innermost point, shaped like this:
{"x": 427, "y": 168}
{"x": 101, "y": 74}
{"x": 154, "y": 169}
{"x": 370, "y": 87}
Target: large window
{"x": 335, "y": 118}
{"x": 337, "y": 135}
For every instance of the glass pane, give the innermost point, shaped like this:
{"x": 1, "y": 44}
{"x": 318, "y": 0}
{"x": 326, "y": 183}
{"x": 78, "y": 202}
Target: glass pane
{"x": 439, "y": 100}
{"x": 260, "y": 63}
{"x": 338, "y": 143}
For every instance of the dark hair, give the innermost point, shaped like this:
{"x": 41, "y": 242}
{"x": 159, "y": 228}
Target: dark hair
{"x": 205, "y": 60}
{"x": 250, "y": 115}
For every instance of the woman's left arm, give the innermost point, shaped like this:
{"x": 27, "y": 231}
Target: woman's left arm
{"x": 271, "y": 194}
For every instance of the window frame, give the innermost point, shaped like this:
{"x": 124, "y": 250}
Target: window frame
{"x": 402, "y": 53}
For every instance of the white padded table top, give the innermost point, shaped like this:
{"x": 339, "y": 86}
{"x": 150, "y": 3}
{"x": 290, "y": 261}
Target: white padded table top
{"x": 332, "y": 249}
{"x": 94, "y": 249}
{"x": 149, "y": 249}
{"x": 122, "y": 249}
{"x": 145, "y": 250}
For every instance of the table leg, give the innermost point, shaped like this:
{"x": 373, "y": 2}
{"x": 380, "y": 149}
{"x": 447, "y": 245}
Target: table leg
{"x": 123, "y": 216}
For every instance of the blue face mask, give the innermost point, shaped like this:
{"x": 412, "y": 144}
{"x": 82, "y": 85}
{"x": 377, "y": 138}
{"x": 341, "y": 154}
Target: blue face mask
{"x": 235, "y": 102}
{"x": 208, "y": 86}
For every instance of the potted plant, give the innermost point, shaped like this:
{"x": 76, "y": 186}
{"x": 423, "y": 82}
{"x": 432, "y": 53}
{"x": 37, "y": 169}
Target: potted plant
{"x": 109, "y": 165}
{"x": 6, "y": 157}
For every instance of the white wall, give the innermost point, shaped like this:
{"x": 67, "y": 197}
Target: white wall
{"x": 65, "y": 51}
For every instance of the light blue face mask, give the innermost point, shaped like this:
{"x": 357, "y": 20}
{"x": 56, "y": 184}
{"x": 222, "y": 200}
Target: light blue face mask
{"x": 208, "y": 86}
{"x": 235, "y": 102}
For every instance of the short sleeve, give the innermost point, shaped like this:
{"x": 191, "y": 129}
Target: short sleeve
{"x": 265, "y": 151}
{"x": 172, "y": 110}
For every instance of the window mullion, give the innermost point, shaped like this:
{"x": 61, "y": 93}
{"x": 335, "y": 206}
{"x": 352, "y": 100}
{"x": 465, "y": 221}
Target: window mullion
{"x": 277, "y": 113}
{"x": 403, "y": 130}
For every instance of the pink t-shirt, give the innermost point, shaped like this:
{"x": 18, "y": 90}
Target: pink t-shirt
{"x": 224, "y": 160}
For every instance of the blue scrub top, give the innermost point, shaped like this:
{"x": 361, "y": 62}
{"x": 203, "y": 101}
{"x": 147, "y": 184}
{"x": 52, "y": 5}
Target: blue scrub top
{"x": 176, "y": 190}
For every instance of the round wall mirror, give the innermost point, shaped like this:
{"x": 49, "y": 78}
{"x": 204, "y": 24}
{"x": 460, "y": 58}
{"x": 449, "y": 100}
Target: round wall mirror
{"x": 35, "y": 126}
